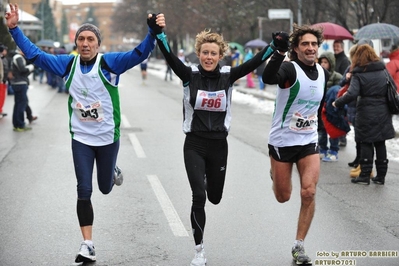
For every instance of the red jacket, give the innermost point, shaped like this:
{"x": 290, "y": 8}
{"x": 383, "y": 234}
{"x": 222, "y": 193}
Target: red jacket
{"x": 393, "y": 66}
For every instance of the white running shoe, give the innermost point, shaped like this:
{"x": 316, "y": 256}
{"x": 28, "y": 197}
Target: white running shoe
{"x": 86, "y": 253}
{"x": 118, "y": 176}
{"x": 299, "y": 255}
{"x": 199, "y": 258}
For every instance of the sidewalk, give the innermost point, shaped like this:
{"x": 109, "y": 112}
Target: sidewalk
{"x": 39, "y": 96}
{"x": 269, "y": 93}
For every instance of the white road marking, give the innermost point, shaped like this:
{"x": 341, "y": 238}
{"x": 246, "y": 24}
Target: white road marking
{"x": 170, "y": 212}
{"x": 137, "y": 146}
{"x": 125, "y": 122}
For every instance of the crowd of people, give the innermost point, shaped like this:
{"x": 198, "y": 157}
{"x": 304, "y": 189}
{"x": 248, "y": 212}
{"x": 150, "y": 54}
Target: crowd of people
{"x": 309, "y": 110}
{"x": 15, "y": 73}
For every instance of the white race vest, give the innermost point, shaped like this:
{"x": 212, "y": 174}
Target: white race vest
{"x": 94, "y": 106}
{"x": 295, "y": 114}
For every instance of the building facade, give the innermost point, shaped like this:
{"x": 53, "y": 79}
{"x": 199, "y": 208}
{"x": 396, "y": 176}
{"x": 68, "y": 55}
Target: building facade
{"x": 77, "y": 14}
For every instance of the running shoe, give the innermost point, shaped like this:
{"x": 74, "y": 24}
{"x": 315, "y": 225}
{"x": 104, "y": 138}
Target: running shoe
{"x": 199, "y": 258}
{"x": 118, "y": 176}
{"x": 299, "y": 255}
{"x": 86, "y": 253}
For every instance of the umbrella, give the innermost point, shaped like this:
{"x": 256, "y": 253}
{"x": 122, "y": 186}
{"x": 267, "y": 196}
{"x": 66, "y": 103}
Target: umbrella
{"x": 333, "y": 31}
{"x": 45, "y": 43}
{"x": 238, "y": 46}
{"x": 377, "y": 31}
{"x": 257, "y": 43}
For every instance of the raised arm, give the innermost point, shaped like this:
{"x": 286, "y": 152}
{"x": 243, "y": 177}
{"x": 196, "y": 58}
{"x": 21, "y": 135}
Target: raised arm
{"x": 178, "y": 67}
{"x": 281, "y": 44}
{"x": 48, "y": 62}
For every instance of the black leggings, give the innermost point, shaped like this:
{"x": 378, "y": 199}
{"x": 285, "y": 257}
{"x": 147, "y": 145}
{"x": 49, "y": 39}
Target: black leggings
{"x": 367, "y": 150}
{"x": 205, "y": 161}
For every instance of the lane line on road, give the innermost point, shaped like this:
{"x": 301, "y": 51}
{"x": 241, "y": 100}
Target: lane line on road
{"x": 136, "y": 145}
{"x": 125, "y": 122}
{"x": 173, "y": 218}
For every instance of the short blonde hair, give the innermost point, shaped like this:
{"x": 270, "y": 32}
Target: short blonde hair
{"x": 206, "y": 36}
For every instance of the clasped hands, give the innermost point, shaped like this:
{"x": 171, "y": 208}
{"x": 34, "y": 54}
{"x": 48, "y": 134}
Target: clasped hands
{"x": 156, "y": 22}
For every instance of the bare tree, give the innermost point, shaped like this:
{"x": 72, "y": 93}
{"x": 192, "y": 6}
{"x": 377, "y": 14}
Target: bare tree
{"x": 238, "y": 20}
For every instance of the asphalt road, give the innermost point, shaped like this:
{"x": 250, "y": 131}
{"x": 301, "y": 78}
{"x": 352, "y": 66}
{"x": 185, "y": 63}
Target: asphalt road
{"x": 145, "y": 222}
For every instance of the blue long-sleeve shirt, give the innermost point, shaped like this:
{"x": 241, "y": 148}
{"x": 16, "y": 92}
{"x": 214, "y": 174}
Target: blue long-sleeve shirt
{"x": 114, "y": 62}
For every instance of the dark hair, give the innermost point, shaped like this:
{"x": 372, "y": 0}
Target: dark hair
{"x": 3, "y": 47}
{"x": 298, "y": 32}
{"x": 339, "y": 41}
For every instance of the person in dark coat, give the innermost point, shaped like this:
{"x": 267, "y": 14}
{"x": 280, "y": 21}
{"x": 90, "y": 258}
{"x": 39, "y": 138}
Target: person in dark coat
{"x": 373, "y": 119}
{"x": 341, "y": 60}
{"x": 351, "y": 107}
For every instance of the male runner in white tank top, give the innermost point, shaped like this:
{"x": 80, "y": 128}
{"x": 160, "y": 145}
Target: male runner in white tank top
{"x": 94, "y": 109}
{"x": 293, "y": 137}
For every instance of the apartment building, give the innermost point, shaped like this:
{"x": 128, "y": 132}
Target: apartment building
{"x": 76, "y": 14}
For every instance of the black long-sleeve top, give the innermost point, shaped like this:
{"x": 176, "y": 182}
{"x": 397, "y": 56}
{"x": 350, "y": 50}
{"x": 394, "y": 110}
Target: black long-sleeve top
{"x": 207, "y": 94}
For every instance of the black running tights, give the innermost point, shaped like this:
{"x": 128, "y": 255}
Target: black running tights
{"x": 205, "y": 161}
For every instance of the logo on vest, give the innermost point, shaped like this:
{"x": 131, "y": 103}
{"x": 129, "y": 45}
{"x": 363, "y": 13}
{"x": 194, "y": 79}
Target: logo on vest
{"x": 84, "y": 92}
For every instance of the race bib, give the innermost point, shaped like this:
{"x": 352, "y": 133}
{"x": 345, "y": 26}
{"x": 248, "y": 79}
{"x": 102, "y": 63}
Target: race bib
{"x": 214, "y": 101}
{"x": 90, "y": 113}
{"x": 303, "y": 124}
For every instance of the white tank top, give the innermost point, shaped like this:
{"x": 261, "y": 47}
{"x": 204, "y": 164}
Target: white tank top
{"x": 295, "y": 113}
{"x": 94, "y": 106}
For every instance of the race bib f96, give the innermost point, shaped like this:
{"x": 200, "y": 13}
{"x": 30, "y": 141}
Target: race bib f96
{"x": 214, "y": 101}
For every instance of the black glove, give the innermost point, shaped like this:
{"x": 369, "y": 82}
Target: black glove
{"x": 151, "y": 22}
{"x": 281, "y": 41}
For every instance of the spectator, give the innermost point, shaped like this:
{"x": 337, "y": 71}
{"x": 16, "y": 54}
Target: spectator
{"x": 236, "y": 61}
{"x": 181, "y": 56}
{"x": 20, "y": 82}
{"x": 2, "y": 89}
{"x": 227, "y": 60}
{"x": 393, "y": 64}
{"x": 74, "y": 51}
{"x": 248, "y": 56}
{"x": 331, "y": 119}
{"x": 168, "y": 72}
{"x": 143, "y": 68}
{"x": 341, "y": 64}
{"x": 59, "y": 81}
{"x": 373, "y": 120}
{"x": 259, "y": 71}
{"x": 341, "y": 60}
{"x": 3, "y": 77}
{"x": 351, "y": 108}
